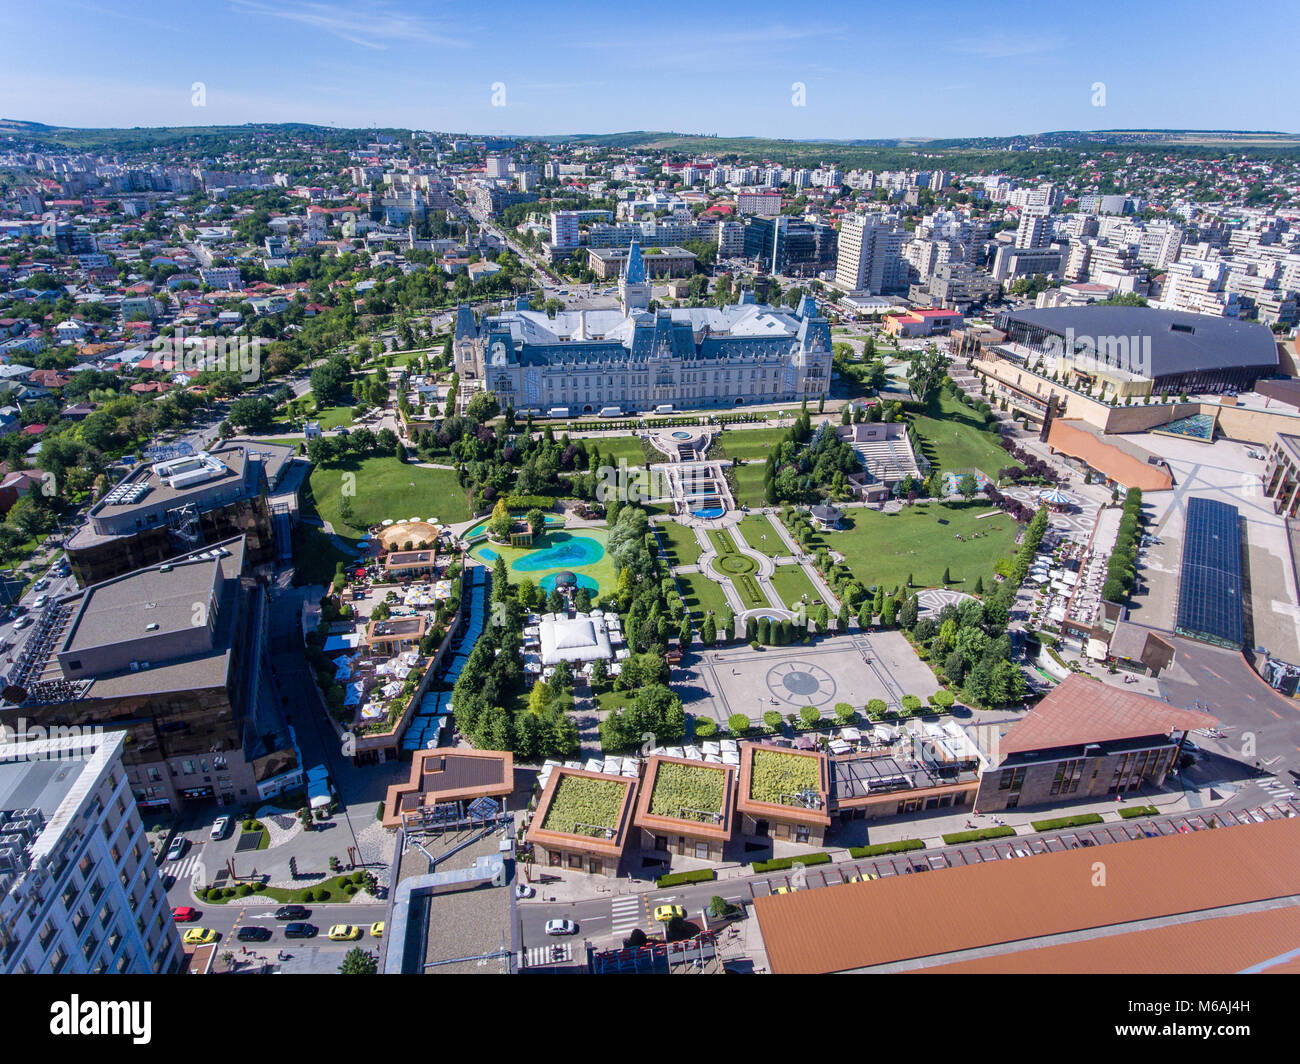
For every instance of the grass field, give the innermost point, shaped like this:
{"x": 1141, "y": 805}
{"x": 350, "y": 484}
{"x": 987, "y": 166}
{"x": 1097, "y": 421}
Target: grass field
{"x": 701, "y": 595}
{"x": 387, "y": 488}
{"x": 792, "y": 583}
{"x": 681, "y": 546}
{"x": 955, "y": 441}
{"x": 754, "y": 527}
{"x": 886, "y": 548}
{"x": 749, "y": 443}
{"x": 614, "y": 448}
{"x": 749, "y": 484}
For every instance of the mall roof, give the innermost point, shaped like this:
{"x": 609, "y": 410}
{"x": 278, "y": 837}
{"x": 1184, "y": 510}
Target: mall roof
{"x": 947, "y": 912}
{"x": 1081, "y": 710}
{"x": 1110, "y": 461}
{"x": 1180, "y": 342}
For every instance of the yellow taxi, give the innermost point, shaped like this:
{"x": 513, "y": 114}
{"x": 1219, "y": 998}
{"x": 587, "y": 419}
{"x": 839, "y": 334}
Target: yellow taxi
{"x": 377, "y": 929}
{"x": 344, "y": 932}
{"x": 664, "y": 913}
{"x": 199, "y": 936}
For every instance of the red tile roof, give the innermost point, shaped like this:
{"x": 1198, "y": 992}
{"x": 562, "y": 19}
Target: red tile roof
{"x": 1083, "y": 710}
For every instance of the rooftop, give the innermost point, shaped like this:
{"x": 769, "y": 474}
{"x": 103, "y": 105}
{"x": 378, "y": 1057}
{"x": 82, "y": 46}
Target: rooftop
{"x": 940, "y": 917}
{"x": 1082, "y": 710}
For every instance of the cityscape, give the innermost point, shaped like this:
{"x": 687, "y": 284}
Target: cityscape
{"x": 501, "y": 551}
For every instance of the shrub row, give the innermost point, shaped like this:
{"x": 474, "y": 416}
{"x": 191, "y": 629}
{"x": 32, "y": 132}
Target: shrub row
{"x": 1138, "y": 810}
{"x": 1066, "y": 822}
{"x": 902, "y": 846}
{"x": 781, "y": 864}
{"x": 677, "y": 879}
{"x": 978, "y": 836}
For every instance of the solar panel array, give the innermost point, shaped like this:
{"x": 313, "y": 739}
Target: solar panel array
{"x": 1210, "y": 601}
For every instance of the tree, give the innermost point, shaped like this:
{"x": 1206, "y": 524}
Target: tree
{"x": 358, "y": 961}
{"x": 684, "y": 633}
{"x": 251, "y": 414}
{"x": 599, "y": 673}
{"x": 810, "y": 715}
{"x": 947, "y": 576}
{"x": 907, "y": 613}
{"x": 968, "y": 486}
{"x": 738, "y": 724}
{"x": 501, "y": 522}
{"x": 708, "y": 631}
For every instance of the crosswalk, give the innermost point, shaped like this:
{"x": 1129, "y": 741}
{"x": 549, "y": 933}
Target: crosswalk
{"x": 184, "y": 868}
{"x": 540, "y": 956}
{"x": 625, "y": 914}
{"x": 1277, "y": 788}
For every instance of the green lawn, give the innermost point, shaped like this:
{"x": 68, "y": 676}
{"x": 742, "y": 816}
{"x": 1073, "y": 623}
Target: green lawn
{"x": 754, "y": 527}
{"x": 386, "y": 488}
{"x": 955, "y": 441}
{"x": 315, "y": 556}
{"x": 701, "y": 595}
{"x": 749, "y": 443}
{"x": 749, "y": 484}
{"x": 886, "y": 548}
{"x": 614, "y": 448}
{"x": 791, "y": 584}
{"x": 601, "y": 570}
{"x": 334, "y": 417}
{"x": 682, "y": 548}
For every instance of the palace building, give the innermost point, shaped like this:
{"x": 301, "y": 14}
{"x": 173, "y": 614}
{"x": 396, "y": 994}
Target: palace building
{"x": 635, "y": 359}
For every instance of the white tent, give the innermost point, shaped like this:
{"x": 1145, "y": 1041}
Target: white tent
{"x": 580, "y": 639}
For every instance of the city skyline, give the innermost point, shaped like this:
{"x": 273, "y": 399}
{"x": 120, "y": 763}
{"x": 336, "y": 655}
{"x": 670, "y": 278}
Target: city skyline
{"x": 567, "y": 70}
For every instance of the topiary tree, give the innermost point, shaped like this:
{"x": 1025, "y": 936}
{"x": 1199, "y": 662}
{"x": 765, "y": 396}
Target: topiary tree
{"x": 773, "y": 719}
{"x": 911, "y": 703}
{"x": 810, "y": 715}
{"x": 944, "y": 699}
{"x": 705, "y": 727}
{"x": 358, "y": 961}
{"x": 738, "y": 723}
{"x": 845, "y": 713}
{"x": 877, "y": 708}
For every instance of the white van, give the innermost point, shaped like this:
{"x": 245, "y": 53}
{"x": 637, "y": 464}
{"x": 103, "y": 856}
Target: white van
{"x": 558, "y": 411}
{"x": 611, "y": 411}
{"x": 664, "y": 408}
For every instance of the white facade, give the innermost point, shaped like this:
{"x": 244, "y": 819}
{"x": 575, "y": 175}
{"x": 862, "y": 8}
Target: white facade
{"x": 79, "y": 889}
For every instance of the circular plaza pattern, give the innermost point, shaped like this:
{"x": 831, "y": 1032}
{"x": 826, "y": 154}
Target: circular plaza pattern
{"x": 801, "y": 683}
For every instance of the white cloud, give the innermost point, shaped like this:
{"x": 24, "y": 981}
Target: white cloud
{"x": 368, "y": 24}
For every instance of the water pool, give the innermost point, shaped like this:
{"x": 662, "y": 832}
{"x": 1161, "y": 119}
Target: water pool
{"x": 563, "y": 550}
{"x": 547, "y": 583}
{"x": 480, "y": 529}
{"x": 709, "y": 512}
{"x": 681, "y": 435}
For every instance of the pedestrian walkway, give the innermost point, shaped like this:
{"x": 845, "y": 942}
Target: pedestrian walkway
{"x": 626, "y": 913}
{"x": 544, "y": 956}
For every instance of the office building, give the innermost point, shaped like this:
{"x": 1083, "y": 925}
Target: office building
{"x": 870, "y": 258}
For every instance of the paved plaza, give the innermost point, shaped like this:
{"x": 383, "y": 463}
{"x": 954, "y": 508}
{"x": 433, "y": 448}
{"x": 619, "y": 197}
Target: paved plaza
{"x": 852, "y": 668}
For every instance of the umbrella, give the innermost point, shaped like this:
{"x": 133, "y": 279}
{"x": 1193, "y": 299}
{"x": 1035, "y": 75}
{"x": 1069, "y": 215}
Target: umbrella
{"x": 386, "y": 522}
{"x": 1056, "y": 498}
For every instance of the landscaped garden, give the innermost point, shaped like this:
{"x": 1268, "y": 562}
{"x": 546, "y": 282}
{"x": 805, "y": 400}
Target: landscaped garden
{"x": 687, "y": 792}
{"x": 777, "y": 776}
{"x": 585, "y": 806}
{"x": 791, "y": 583}
{"x": 384, "y": 488}
{"x": 922, "y": 542}
{"x": 680, "y": 544}
{"x": 956, "y": 440}
{"x": 754, "y": 527}
{"x": 700, "y": 594}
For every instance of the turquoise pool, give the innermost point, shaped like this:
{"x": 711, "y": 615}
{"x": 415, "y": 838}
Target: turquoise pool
{"x": 563, "y": 550}
{"x": 480, "y": 529}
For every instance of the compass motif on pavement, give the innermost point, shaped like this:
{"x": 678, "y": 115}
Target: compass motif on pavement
{"x": 801, "y": 683}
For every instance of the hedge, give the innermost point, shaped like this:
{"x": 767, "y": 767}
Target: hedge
{"x": 978, "y": 836}
{"x": 902, "y": 846}
{"x": 1138, "y": 810}
{"x": 781, "y": 864}
{"x": 1066, "y": 822}
{"x": 676, "y": 879}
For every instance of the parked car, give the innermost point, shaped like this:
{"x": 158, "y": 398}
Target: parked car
{"x": 377, "y": 929}
{"x": 292, "y": 912}
{"x": 22, "y": 623}
{"x": 561, "y": 927}
{"x": 220, "y": 826}
{"x": 178, "y": 847}
{"x": 664, "y": 913}
{"x": 523, "y": 890}
{"x": 299, "y": 930}
{"x": 184, "y": 914}
{"x": 253, "y": 933}
{"x": 40, "y": 602}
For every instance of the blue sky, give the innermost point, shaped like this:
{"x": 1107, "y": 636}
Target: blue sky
{"x": 937, "y": 69}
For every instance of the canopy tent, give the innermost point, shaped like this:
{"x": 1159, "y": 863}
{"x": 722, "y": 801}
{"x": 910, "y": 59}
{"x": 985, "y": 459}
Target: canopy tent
{"x": 581, "y": 639}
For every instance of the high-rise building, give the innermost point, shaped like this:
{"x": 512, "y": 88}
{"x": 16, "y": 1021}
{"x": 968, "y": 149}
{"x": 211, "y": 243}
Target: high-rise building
{"x": 498, "y": 166}
{"x": 80, "y": 892}
{"x": 564, "y": 229}
{"x": 870, "y": 255}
